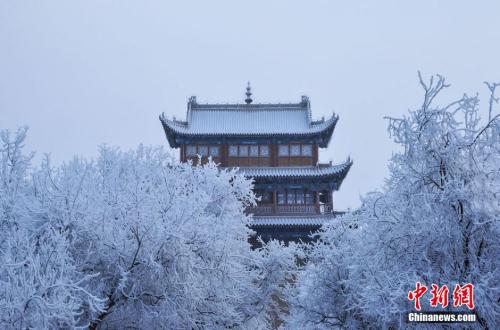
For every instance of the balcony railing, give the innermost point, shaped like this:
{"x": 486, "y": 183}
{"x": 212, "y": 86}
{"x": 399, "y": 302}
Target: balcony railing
{"x": 325, "y": 208}
{"x": 295, "y": 209}
{"x": 261, "y": 210}
{"x": 291, "y": 209}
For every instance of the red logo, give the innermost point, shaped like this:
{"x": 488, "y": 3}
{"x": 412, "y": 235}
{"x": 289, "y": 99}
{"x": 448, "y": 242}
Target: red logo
{"x": 417, "y": 294}
{"x": 462, "y": 295}
{"x": 439, "y": 296}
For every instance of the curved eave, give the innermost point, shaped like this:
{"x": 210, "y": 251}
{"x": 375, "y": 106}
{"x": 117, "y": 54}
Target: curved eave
{"x": 309, "y": 222}
{"x": 336, "y": 172}
{"x": 323, "y": 129}
{"x": 327, "y": 132}
{"x": 170, "y": 133}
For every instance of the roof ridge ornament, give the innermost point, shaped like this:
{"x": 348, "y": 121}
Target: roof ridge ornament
{"x": 248, "y": 100}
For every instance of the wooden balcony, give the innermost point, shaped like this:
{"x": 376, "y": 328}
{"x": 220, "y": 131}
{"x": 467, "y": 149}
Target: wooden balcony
{"x": 261, "y": 210}
{"x": 295, "y": 209}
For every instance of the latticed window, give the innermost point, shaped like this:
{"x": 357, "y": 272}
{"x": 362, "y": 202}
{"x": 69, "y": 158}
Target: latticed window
{"x": 233, "y": 151}
{"x": 243, "y": 151}
{"x": 290, "y": 197}
{"x": 254, "y": 151}
{"x": 295, "y": 150}
{"x": 264, "y": 151}
{"x": 267, "y": 196}
{"x": 191, "y": 150}
{"x": 281, "y": 197}
{"x": 283, "y": 150}
{"x": 306, "y": 150}
{"x": 299, "y": 197}
{"x": 214, "y": 151}
{"x": 309, "y": 198}
{"x": 264, "y": 195}
{"x": 203, "y": 151}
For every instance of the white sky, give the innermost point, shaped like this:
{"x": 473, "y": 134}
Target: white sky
{"x": 81, "y": 73}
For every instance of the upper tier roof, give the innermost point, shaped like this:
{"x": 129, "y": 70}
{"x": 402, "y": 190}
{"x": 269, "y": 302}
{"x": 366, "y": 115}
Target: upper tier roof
{"x": 293, "y": 119}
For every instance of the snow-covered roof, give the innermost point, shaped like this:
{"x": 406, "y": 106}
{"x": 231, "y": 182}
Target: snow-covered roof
{"x": 248, "y": 120}
{"x": 291, "y": 221}
{"x": 298, "y": 171}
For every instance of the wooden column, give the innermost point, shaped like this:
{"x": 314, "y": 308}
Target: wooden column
{"x": 223, "y": 155}
{"x": 274, "y": 202}
{"x": 316, "y": 204}
{"x": 331, "y": 201}
{"x": 315, "y": 153}
{"x": 273, "y": 150}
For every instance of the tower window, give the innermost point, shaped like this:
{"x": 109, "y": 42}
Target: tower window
{"x": 191, "y": 151}
{"x": 254, "y": 151}
{"x": 243, "y": 151}
{"x": 306, "y": 150}
{"x": 281, "y": 197}
{"x": 264, "y": 151}
{"x": 283, "y": 150}
{"x": 214, "y": 151}
{"x": 203, "y": 151}
{"x": 295, "y": 150}
{"x": 299, "y": 196}
{"x": 233, "y": 151}
{"x": 309, "y": 198}
{"x": 264, "y": 195}
{"x": 248, "y": 150}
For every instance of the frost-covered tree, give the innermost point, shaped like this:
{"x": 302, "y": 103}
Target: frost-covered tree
{"x": 40, "y": 286}
{"x": 435, "y": 221}
{"x": 132, "y": 240}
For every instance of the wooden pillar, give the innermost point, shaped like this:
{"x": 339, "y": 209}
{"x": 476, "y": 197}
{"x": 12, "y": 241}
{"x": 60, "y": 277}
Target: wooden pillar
{"x": 331, "y": 201}
{"x": 316, "y": 204}
{"x": 223, "y": 155}
{"x": 274, "y": 202}
{"x": 315, "y": 153}
{"x": 273, "y": 150}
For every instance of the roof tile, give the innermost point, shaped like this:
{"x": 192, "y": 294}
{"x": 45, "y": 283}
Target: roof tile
{"x": 291, "y": 221}
{"x": 299, "y": 171}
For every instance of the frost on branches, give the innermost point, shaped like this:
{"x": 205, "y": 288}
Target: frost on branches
{"x": 132, "y": 239}
{"x": 436, "y": 221}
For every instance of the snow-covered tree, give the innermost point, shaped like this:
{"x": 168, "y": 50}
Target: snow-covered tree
{"x": 40, "y": 286}
{"x": 435, "y": 221}
{"x": 132, "y": 240}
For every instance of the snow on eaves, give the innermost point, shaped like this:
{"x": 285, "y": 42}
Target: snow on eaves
{"x": 258, "y": 119}
{"x": 291, "y": 221}
{"x": 299, "y": 171}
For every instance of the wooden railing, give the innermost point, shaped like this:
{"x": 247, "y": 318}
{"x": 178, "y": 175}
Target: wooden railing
{"x": 325, "y": 208}
{"x": 296, "y": 209}
{"x": 261, "y": 210}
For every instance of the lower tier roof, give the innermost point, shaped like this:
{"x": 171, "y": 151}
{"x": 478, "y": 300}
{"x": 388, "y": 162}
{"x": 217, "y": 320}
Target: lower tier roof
{"x": 298, "y": 171}
{"x": 293, "y": 221}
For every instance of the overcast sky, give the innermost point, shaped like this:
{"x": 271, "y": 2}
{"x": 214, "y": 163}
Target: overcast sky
{"x": 82, "y": 73}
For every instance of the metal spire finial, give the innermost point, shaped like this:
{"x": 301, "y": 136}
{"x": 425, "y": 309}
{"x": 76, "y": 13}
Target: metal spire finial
{"x": 248, "y": 100}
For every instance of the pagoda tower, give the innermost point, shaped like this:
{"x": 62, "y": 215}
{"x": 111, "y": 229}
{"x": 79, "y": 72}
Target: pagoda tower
{"x": 276, "y": 145}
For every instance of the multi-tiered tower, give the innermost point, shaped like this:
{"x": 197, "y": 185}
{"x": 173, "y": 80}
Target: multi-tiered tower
{"x": 277, "y": 145}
